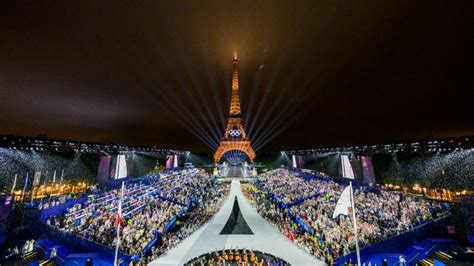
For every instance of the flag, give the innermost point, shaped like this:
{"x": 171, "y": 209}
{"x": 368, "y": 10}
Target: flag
{"x": 344, "y": 203}
{"x": 14, "y": 184}
{"x": 36, "y": 179}
{"x": 54, "y": 177}
{"x": 119, "y": 212}
{"x": 119, "y": 216}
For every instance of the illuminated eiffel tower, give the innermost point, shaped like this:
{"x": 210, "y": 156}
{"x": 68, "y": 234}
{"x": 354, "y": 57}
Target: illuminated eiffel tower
{"x": 235, "y": 142}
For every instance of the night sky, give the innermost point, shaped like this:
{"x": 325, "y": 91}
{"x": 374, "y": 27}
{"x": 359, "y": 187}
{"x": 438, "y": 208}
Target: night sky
{"x": 312, "y": 73}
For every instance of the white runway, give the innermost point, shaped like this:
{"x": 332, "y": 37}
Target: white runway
{"x": 266, "y": 238}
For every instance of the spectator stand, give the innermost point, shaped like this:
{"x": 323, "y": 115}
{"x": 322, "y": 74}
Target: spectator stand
{"x": 286, "y": 207}
{"x": 81, "y": 244}
{"x": 186, "y": 183}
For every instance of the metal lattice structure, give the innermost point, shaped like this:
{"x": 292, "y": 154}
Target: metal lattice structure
{"x": 235, "y": 138}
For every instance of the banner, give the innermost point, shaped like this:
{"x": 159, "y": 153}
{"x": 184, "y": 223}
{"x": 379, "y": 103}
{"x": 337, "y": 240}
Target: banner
{"x": 368, "y": 170}
{"x": 36, "y": 179}
{"x": 104, "y": 169}
{"x": 175, "y": 161}
{"x": 169, "y": 161}
{"x": 121, "y": 167}
{"x": 346, "y": 167}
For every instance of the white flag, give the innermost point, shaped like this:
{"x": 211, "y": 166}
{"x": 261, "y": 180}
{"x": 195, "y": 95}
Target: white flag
{"x": 343, "y": 203}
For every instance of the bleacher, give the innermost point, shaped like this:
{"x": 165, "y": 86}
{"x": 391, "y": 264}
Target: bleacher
{"x": 166, "y": 187}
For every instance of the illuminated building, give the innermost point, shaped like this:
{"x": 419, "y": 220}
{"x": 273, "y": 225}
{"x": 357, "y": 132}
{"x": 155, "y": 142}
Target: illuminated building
{"x": 235, "y": 143}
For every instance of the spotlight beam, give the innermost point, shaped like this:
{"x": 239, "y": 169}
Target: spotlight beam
{"x": 189, "y": 119}
{"x": 283, "y": 115}
{"x": 279, "y": 119}
{"x": 277, "y": 102}
{"x": 281, "y": 58}
{"x": 185, "y": 120}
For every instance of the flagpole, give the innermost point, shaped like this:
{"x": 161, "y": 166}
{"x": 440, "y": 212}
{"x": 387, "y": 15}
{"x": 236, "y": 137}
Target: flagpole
{"x": 118, "y": 226}
{"x": 355, "y": 226}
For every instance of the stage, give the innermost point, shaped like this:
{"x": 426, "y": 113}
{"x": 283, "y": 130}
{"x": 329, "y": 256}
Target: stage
{"x": 265, "y": 237}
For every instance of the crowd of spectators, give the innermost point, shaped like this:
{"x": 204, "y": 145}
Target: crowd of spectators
{"x": 148, "y": 206}
{"x": 210, "y": 204}
{"x": 380, "y": 213}
{"x": 283, "y": 184}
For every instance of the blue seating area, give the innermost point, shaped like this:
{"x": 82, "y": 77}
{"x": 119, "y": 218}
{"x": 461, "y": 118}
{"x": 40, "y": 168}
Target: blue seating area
{"x": 412, "y": 254}
{"x": 67, "y": 257}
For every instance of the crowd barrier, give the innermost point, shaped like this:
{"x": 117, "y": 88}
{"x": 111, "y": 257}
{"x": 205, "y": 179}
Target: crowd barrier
{"x": 153, "y": 242}
{"x": 171, "y": 200}
{"x": 292, "y": 216}
{"x": 117, "y": 183}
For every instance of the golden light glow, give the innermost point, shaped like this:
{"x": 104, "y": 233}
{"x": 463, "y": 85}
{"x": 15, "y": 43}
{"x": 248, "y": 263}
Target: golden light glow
{"x": 235, "y": 99}
{"x": 238, "y": 142}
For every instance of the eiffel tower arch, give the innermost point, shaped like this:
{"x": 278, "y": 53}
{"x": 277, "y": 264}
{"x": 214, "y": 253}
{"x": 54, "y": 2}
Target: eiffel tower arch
{"x": 235, "y": 141}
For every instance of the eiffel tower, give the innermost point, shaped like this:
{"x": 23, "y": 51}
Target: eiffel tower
{"x": 235, "y": 139}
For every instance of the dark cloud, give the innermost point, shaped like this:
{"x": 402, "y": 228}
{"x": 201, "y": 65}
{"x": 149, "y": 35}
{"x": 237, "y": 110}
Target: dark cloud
{"x": 313, "y": 73}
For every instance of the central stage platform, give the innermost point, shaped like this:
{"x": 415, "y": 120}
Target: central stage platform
{"x": 235, "y": 171}
{"x": 265, "y": 237}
